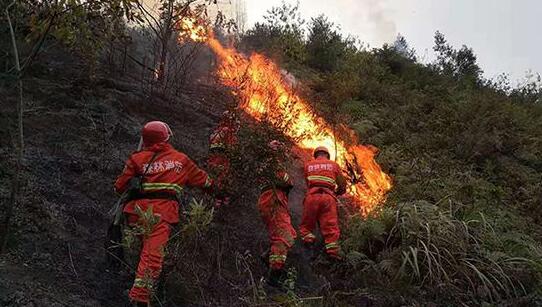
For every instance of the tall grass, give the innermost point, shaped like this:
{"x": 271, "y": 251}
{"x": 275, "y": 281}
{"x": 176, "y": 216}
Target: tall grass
{"x": 418, "y": 246}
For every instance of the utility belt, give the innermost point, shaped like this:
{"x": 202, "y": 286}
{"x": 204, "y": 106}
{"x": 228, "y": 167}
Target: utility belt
{"x": 318, "y": 185}
{"x": 154, "y": 195}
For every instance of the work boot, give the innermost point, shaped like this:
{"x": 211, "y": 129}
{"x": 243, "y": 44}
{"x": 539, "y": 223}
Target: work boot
{"x": 276, "y": 277}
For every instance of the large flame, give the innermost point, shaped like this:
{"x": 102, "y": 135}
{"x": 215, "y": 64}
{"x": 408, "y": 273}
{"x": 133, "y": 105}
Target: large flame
{"x": 265, "y": 94}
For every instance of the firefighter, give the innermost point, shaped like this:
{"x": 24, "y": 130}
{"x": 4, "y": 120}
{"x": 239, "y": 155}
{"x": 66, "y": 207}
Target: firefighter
{"x": 273, "y": 207}
{"x": 164, "y": 171}
{"x": 324, "y": 182}
{"x": 220, "y": 142}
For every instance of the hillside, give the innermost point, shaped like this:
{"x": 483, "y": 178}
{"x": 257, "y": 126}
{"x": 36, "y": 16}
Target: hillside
{"x": 459, "y": 227}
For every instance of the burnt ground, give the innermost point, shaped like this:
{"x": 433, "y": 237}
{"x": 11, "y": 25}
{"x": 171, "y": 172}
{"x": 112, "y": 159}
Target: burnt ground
{"x": 77, "y": 136}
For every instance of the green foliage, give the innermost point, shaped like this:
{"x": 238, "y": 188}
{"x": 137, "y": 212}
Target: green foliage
{"x": 289, "y": 284}
{"x": 199, "y": 220}
{"x": 288, "y": 295}
{"x": 144, "y": 227}
{"x": 281, "y": 34}
{"x": 460, "y": 64}
{"x": 83, "y": 27}
{"x": 419, "y": 246}
{"x": 325, "y": 45}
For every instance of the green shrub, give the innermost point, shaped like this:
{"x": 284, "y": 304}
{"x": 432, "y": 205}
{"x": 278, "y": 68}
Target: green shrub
{"x": 199, "y": 218}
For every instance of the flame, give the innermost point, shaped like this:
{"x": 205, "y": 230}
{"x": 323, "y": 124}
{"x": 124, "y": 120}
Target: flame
{"x": 265, "y": 94}
{"x": 191, "y": 28}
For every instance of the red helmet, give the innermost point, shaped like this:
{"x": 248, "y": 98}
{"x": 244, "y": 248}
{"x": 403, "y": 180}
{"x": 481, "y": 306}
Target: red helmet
{"x": 321, "y": 149}
{"x": 275, "y": 145}
{"x": 155, "y": 132}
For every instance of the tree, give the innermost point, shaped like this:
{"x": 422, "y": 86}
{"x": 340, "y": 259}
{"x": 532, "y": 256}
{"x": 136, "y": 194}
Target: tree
{"x": 281, "y": 34}
{"x": 325, "y": 45}
{"x": 445, "y": 54}
{"x": 530, "y": 90}
{"x": 460, "y": 64}
{"x": 401, "y": 47}
{"x": 285, "y": 17}
{"x": 466, "y": 65}
{"x": 163, "y": 26}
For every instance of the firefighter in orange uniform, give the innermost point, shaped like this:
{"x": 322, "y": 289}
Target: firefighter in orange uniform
{"x": 165, "y": 171}
{"x": 324, "y": 182}
{"x": 220, "y": 142}
{"x": 273, "y": 206}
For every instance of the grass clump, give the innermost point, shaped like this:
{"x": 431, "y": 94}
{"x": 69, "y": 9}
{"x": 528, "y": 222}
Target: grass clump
{"x": 437, "y": 254}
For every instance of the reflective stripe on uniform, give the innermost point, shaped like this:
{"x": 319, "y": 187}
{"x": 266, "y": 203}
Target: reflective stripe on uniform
{"x": 152, "y": 186}
{"x": 332, "y": 245}
{"x": 277, "y": 258}
{"x": 217, "y": 145}
{"x": 286, "y": 177}
{"x": 142, "y": 283}
{"x": 322, "y": 178}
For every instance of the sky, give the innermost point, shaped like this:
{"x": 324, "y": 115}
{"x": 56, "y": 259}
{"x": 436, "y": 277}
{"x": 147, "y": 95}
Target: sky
{"x": 505, "y": 34}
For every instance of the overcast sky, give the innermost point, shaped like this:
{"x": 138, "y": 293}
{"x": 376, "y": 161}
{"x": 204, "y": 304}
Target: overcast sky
{"x": 505, "y": 34}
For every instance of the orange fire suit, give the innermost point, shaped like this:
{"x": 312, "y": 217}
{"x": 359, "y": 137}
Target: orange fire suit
{"x": 324, "y": 181}
{"x": 166, "y": 176}
{"x": 273, "y": 206}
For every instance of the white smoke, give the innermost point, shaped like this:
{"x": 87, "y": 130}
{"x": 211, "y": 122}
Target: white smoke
{"x": 385, "y": 27}
{"x": 371, "y": 19}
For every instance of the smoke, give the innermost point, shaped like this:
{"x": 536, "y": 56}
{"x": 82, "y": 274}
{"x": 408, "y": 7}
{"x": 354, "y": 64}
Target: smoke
{"x": 385, "y": 27}
{"x": 373, "y": 12}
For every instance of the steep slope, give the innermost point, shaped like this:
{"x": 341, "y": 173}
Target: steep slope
{"x": 465, "y": 161}
{"x": 77, "y": 136}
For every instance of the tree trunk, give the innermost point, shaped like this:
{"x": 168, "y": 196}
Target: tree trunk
{"x": 162, "y": 65}
{"x": 165, "y": 36}
{"x": 16, "y": 181}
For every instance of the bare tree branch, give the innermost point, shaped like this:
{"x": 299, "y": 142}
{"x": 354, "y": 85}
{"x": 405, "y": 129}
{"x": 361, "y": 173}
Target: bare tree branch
{"x": 146, "y": 15}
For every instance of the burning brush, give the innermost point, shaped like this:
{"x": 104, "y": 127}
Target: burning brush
{"x": 264, "y": 93}
{"x": 354, "y": 172}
